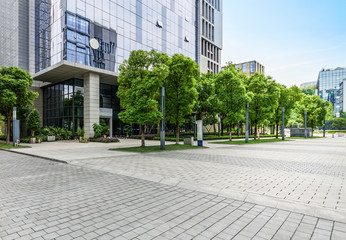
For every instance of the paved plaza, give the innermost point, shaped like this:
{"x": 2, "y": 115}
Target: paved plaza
{"x": 292, "y": 189}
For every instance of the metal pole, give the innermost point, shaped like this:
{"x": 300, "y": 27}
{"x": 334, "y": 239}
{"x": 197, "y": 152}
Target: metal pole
{"x": 162, "y": 127}
{"x": 14, "y": 118}
{"x": 324, "y": 128}
{"x": 195, "y": 127}
{"x": 283, "y": 124}
{"x": 219, "y": 125}
{"x": 305, "y": 125}
{"x": 247, "y": 124}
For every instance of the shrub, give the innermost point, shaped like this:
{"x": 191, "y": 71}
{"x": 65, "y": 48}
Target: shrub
{"x": 80, "y": 132}
{"x": 34, "y": 121}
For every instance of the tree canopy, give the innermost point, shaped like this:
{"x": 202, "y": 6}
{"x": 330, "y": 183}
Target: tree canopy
{"x": 140, "y": 78}
{"x": 181, "y": 93}
{"x": 14, "y": 91}
{"x": 231, "y": 95}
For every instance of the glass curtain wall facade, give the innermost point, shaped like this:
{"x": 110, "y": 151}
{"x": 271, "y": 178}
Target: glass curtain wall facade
{"x": 165, "y": 26}
{"x": 63, "y": 104}
{"x": 330, "y": 86}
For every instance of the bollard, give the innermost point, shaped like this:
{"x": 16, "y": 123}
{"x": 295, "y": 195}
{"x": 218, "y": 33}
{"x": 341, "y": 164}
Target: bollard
{"x": 333, "y": 135}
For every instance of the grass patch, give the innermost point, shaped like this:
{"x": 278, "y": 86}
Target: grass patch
{"x": 10, "y": 146}
{"x": 304, "y": 137}
{"x": 252, "y": 141}
{"x": 171, "y": 147}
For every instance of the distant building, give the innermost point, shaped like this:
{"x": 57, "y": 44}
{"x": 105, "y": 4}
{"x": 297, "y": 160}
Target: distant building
{"x": 249, "y": 68}
{"x": 308, "y": 84}
{"x": 330, "y": 87}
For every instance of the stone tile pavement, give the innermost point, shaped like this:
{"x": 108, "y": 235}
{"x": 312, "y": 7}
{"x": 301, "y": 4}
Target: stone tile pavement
{"x": 305, "y": 176}
{"x": 41, "y": 199}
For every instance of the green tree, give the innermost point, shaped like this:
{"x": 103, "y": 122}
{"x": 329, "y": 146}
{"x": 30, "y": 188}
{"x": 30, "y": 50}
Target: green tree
{"x": 181, "y": 93}
{"x": 140, "y": 78}
{"x": 232, "y": 96}
{"x": 339, "y": 123}
{"x": 207, "y": 102}
{"x": 316, "y": 109}
{"x": 14, "y": 84}
{"x": 34, "y": 121}
{"x": 309, "y": 91}
{"x": 288, "y": 98}
{"x": 265, "y": 94}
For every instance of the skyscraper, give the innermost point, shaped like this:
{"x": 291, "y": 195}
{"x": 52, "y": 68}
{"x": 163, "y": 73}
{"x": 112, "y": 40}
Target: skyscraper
{"x": 73, "y": 48}
{"x": 330, "y": 87}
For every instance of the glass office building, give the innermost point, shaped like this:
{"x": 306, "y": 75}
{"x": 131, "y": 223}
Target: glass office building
{"x": 330, "y": 88}
{"x": 77, "y": 80}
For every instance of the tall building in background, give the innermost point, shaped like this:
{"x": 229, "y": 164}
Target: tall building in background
{"x": 249, "y": 68}
{"x": 209, "y": 20}
{"x": 73, "y": 48}
{"x": 330, "y": 87}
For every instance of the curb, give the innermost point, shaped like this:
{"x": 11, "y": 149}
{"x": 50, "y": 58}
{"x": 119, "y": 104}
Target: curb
{"x": 33, "y": 155}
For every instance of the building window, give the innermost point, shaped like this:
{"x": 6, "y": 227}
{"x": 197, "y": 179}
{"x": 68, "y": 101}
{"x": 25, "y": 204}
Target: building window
{"x": 252, "y": 68}
{"x": 244, "y": 67}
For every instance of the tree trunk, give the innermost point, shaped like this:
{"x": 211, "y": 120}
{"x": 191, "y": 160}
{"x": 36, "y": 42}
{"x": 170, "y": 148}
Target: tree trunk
{"x": 255, "y": 133}
{"x": 158, "y": 129}
{"x": 214, "y": 128}
{"x": 177, "y": 134}
{"x": 142, "y": 136}
{"x": 230, "y": 133}
{"x": 221, "y": 128}
{"x": 277, "y": 130}
{"x": 8, "y": 127}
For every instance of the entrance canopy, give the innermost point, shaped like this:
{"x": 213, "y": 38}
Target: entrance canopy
{"x": 66, "y": 70}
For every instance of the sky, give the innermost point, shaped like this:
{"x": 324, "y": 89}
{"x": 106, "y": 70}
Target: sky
{"x": 292, "y": 39}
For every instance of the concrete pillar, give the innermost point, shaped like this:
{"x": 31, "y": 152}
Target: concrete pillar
{"x": 91, "y": 102}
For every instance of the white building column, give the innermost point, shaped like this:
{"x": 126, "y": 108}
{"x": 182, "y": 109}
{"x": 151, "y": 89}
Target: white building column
{"x": 91, "y": 102}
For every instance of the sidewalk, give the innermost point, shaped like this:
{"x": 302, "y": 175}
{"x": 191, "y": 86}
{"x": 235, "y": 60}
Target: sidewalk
{"x": 305, "y": 176}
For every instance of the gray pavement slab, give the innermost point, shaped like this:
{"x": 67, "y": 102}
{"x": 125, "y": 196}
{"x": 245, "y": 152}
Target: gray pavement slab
{"x": 63, "y": 201}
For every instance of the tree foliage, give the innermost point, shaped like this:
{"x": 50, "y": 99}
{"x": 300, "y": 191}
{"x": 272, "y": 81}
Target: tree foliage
{"x": 309, "y": 91}
{"x": 206, "y": 106}
{"x": 14, "y": 84}
{"x": 34, "y": 121}
{"x": 181, "y": 93}
{"x": 265, "y": 95}
{"x": 140, "y": 78}
{"x": 339, "y": 123}
{"x": 232, "y": 96}
{"x": 316, "y": 109}
{"x": 288, "y": 98}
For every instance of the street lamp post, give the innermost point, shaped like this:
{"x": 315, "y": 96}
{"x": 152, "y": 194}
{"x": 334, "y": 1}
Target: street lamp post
{"x": 219, "y": 125}
{"x": 305, "y": 125}
{"x": 162, "y": 127}
{"x": 247, "y": 124}
{"x": 283, "y": 124}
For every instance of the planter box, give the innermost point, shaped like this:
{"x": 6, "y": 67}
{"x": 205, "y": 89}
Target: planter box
{"x": 32, "y": 140}
{"x": 188, "y": 140}
{"x": 50, "y": 138}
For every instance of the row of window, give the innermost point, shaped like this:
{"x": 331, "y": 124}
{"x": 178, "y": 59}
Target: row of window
{"x": 213, "y": 67}
{"x": 208, "y": 12}
{"x": 207, "y": 30}
{"x": 210, "y": 51}
{"x": 214, "y": 3}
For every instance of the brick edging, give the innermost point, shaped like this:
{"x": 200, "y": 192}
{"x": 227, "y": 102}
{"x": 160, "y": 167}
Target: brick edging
{"x": 33, "y": 155}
